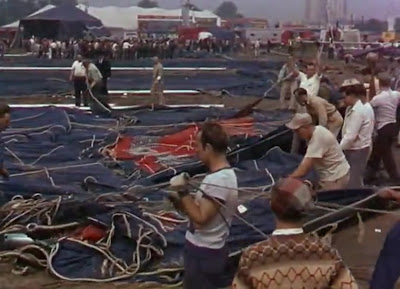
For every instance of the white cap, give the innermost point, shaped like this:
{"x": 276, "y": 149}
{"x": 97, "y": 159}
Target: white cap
{"x": 350, "y": 82}
{"x": 299, "y": 120}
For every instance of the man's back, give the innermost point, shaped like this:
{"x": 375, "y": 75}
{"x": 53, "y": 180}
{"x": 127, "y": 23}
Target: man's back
{"x": 292, "y": 261}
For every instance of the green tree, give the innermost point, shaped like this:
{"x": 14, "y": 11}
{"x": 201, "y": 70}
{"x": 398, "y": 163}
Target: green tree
{"x": 148, "y": 4}
{"x": 227, "y": 10}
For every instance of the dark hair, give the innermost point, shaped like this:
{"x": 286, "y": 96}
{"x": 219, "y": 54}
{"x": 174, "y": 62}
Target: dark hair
{"x": 300, "y": 91}
{"x": 384, "y": 81}
{"x": 358, "y": 90}
{"x": 214, "y": 134}
{"x": 4, "y": 109}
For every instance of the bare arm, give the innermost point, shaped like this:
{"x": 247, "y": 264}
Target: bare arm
{"x": 202, "y": 213}
{"x": 303, "y": 169}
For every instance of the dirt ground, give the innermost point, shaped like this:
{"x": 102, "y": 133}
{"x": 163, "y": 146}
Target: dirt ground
{"x": 360, "y": 257}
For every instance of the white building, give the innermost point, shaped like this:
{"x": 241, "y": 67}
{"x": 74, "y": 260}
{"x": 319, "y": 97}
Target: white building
{"x": 325, "y": 11}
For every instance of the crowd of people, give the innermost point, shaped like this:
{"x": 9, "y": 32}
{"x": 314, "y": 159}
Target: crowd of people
{"x": 128, "y": 49}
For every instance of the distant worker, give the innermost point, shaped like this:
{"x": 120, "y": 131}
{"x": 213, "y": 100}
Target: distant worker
{"x": 157, "y": 88}
{"x": 2, "y": 49}
{"x": 288, "y": 84}
{"x": 324, "y": 154}
{"x": 323, "y": 113}
{"x": 95, "y": 89}
{"x": 78, "y": 77}
{"x": 104, "y": 66}
{"x": 5, "y": 116}
{"x": 257, "y": 46}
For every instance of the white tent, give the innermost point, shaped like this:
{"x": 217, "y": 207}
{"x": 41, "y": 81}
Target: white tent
{"x": 16, "y": 23}
{"x": 127, "y": 17}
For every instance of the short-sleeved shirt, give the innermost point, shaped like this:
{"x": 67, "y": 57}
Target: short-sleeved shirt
{"x": 221, "y": 185}
{"x": 385, "y": 106}
{"x": 329, "y": 160}
{"x": 94, "y": 73}
{"x": 78, "y": 69}
{"x": 310, "y": 84}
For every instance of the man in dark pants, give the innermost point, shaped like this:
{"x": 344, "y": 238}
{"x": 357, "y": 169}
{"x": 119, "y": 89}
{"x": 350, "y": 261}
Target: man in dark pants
{"x": 385, "y": 105}
{"x": 104, "y": 66}
{"x": 78, "y": 77}
{"x": 5, "y": 115}
{"x": 210, "y": 211}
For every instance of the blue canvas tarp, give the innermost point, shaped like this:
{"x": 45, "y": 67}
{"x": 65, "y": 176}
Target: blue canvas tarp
{"x": 65, "y": 179}
{"x": 244, "y": 78}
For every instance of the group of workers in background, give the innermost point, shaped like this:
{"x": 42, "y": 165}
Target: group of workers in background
{"x": 291, "y": 257}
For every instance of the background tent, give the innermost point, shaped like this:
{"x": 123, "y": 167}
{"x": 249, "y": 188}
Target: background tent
{"x": 62, "y": 22}
{"x": 15, "y": 24}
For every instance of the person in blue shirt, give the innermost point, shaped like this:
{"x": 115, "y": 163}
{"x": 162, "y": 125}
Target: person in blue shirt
{"x": 387, "y": 268}
{"x": 5, "y": 117}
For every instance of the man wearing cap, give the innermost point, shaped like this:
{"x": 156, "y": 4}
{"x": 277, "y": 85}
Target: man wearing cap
{"x": 291, "y": 258}
{"x": 322, "y": 112}
{"x": 385, "y": 105}
{"x": 158, "y": 81}
{"x": 357, "y": 131}
{"x": 323, "y": 154}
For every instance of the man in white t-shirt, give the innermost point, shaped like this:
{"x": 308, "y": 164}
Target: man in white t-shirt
{"x": 210, "y": 211}
{"x": 324, "y": 154}
{"x": 311, "y": 79}
{"x": 78, "y": 77}
{"x": 385, "y": 105}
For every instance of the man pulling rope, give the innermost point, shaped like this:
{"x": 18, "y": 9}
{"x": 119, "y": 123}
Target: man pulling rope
{"x": 95, "y": 89}
{"x": 210, "y": 212}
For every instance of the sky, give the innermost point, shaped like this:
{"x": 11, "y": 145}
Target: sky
{"x": 282, "y": 10}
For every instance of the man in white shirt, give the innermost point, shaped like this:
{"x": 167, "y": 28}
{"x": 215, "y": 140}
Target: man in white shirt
{"x": 323, "y": 154}
{"x": 357, "y": 131}
{"x": 311, "y": 79}
{"x": 78, "y": 77}
{"x": 210, "y": 211}
{"x": 385, "y": 105}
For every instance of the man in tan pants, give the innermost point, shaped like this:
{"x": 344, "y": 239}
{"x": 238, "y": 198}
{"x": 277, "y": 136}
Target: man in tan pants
{"x": 288, "y": 84}
{"x": 157, "y": 88}
{"x": 324, "y": 154}
{"x": 322, "y": 112}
